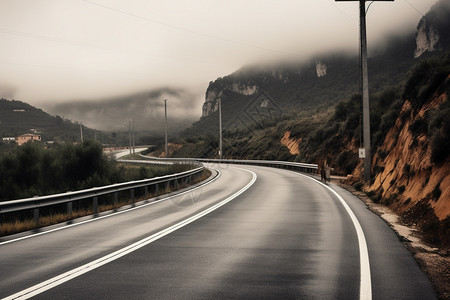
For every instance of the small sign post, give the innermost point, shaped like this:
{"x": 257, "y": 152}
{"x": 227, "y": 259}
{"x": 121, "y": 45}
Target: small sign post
{"x": 362, "y": 153}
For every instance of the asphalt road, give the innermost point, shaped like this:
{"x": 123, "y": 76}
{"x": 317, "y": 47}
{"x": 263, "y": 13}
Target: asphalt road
{"x": 268, "y": 233}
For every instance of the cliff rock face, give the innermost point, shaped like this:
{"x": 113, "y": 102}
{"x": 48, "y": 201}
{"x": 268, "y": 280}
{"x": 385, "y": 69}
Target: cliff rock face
{"x": 432, "y": 30}
{"x": 409, "y": 178}
{"x": 321, "y": 69}
{"x": 213, "y": 95}
{"x": 292, "y": 144}
{"x": 427, "y": 38}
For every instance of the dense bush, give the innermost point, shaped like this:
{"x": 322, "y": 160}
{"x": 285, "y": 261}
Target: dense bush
{"x": 33, "y": 170}
{"x": 439, "y": 131}
{"x": 425, "y": 79}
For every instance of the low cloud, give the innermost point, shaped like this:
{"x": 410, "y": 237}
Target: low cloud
{"x": 7, "y": 91}
{"x": 146, "y": 109}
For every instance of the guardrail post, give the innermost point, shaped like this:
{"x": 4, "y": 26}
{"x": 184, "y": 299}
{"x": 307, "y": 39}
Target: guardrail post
{"x": 156, "y": 190}
{"x": 69, "y": 209}
{"x": 146, "y": 191}
{"x": 95, "y": 206}
{"x": 167, "y": 186}
{"x": 36, "y": 216}
{"x": 132, "y": 196}
{"x": 116, "y": 199}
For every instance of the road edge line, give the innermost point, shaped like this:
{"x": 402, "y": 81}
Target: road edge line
{"x": 60, "y": 279}
{"x": 365, "y": 290}
{"x": 163, "y": 198}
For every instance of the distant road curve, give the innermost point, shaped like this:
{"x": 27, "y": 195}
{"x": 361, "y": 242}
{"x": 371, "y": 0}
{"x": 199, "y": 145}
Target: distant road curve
{"x": 122, "y": 153}
{"x": 254, "y": 232}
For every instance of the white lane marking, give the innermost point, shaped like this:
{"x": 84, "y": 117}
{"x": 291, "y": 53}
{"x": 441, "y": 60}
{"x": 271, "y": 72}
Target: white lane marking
{"x": 115, "y": 213}
{"x": 365, "y": 288}
{"x": 60, "y": 279}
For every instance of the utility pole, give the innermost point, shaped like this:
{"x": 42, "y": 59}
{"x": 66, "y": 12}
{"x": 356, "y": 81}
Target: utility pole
{"x": 81, "y": 132}
{"x": 129, "y": 134}
{"x": 165, "y": 114}
{"x": 365, "y": 86}
{"x": 134, "y": 149}
{"x": 220, "y": 129}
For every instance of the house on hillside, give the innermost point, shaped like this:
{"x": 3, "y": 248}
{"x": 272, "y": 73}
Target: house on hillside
{"x": 24, "y": 138}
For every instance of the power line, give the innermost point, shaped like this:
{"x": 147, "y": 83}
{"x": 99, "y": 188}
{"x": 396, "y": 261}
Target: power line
{"x": 341, "y": 10}
{"x": 415, "y": 8}
{"x": 184, "y": 29}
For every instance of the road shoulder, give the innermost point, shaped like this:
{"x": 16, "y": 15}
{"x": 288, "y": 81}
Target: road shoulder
{"x": 433, "y": 261}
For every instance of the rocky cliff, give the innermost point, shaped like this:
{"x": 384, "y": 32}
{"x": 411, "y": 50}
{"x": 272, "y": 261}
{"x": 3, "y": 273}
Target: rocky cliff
{"x": 409, "y": 175}
{"x": 213, "y": 94}
{"x": 432, "y": 30}
{"x": 412, "y": 166}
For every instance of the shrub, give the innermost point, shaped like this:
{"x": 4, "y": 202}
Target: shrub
{"x": 33, "y": 170}
{"x": 346, "y": 161}
{"x": 407, "y": 169}
{"x": 425, "y": 79}
{"x": 370, "y": 194}
{"x": 439, "y": 129}
{"x": 358, "y": 186}
{"x": 420, "y": 126}
{"x": 436, "y": 193}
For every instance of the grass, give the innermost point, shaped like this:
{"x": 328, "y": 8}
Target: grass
{"x": 20, "y": 225}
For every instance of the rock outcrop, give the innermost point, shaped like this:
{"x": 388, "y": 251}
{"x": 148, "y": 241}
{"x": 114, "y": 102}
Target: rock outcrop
{"x": 321, "y": 69}
{"x": 427, "y": 38}
{"x": 409, "y": 177}
{"x": 292, "y": 144}
{"x": 213, "y": 94}
{"x": 432, "y": 30}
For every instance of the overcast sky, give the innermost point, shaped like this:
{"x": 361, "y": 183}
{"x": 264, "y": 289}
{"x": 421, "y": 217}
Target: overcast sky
{"x": 55, "y": 51}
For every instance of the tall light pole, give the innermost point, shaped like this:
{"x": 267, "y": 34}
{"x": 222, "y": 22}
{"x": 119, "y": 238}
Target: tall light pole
{"x": 165, "y": 114}
{"x": 220, "y": 129}
{"x": 365, "y": 86}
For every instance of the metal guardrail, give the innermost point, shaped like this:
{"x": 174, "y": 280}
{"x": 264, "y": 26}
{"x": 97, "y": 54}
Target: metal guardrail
{"x": 35, "y": 203}
{"x": 93, "y": 193}
{"x": 302, "y": 167}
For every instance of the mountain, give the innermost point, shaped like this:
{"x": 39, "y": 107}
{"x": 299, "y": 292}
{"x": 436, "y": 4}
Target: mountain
{"x": 310, "y": 112}
{"x": 17, "y": 117}
{"x": 322, "y": 81}
{"x": 146, "y": 108}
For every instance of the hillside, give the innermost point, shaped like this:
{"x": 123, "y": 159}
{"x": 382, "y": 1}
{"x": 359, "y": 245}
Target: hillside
{"x": 18, "y": 117}
{"x": 320, "y": 82}
{"x": 413, "y": 163}
{"x": 305, "y": 87}
{"x": 310, "y": 113}
{"x": 146, "y": 108}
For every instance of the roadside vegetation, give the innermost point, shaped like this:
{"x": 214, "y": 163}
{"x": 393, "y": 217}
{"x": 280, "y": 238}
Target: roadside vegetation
{"x": 334, "y": 133}
{"x": 33, "y": 169}
{"x": 23, "y": 221}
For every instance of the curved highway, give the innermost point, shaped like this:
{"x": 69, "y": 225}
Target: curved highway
{"x": 253, "y": 232}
